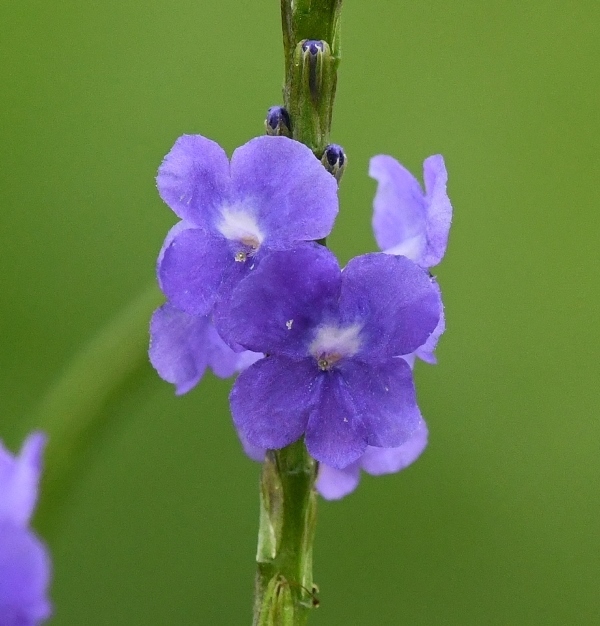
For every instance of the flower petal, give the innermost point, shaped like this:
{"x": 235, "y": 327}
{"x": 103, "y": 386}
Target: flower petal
{"x": 179, "y": 346}
{"x": 410, "y": 359}
{"x": 24, "y": 577}
{"x": 275, "y": 309}
{"x": 246, "y": 358}
{"x": 254, "y": 452}
{"x": 394, "y": 301}
{"x": 334, "y": 484}
{"x": 384, "y": 399}
{"x": 271, "y": 401}
{"x": 173, "y": 232}
{"x": 292, "y": 195}
{"x": 399, "y": 209}
{"x": 19, "y": 479}
{"x": 335, "y": 434}
{"x": 182, "y": 345}
{"x": 439, "y": 210}
{"x": 407, "y": 221}
{"x": 192, "y": 270}
{"x": 194, "y": 179}
{"x": 377, "y": 461}
{"x": 426, "y": 352}
{"x": 224, "y": 361}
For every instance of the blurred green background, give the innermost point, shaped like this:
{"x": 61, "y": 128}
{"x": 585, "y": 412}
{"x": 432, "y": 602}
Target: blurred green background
{"x": 498, "y": 522}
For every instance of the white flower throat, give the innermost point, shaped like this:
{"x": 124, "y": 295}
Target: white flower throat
{"x": 333, "y": 343}
{"x": 238, "y": 224}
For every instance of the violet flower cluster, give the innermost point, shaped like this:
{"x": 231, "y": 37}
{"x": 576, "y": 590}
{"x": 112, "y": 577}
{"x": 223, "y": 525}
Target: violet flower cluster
{"x": 325, "y": 353}
{"x": 24, "y": 560}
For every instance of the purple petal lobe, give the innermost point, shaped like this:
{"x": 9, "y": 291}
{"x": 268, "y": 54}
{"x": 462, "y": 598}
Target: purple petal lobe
{"x": 439, "y": 210}
{"x": 288, "y": 190}
{"x": 271, "y": 401}
{"x": 24, "y": 577}
{"x": 336, "y": 434}
{"x": 275, "y": 309}
{"x": 426, "y": 352}
{"x": 410, "y": 359}
{"x": 393, "y": 301}
{"x": 254, "y": 452}
{"x": 182, "y": 345}
{"x": 406, "y": 220}
{"x": 173, "y": 232}
{"x": 224, "y": 361}
{"x": 334, "y": 484}
{"x": 379, "y": 461}
{"x": 19, "y": 479}
{"x": 399, "y": 211}
{"x": 192, "y": 270}
{"x": 194, "y": 179}
{"x": 246, "y": 358}
{"x": 179, "y": 346}
{"x": 384, "y": 399}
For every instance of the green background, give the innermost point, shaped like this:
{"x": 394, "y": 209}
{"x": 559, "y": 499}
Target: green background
{"x": 498, "y": 521}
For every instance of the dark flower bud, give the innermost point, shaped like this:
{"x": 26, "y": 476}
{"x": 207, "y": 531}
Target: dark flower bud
{"x": 334, "y": 160}
{"x": 278, "y": 122}
{"x": 313, "y": 53}
{"x": 313, "y": 46}
{"x": 310, "y": 89}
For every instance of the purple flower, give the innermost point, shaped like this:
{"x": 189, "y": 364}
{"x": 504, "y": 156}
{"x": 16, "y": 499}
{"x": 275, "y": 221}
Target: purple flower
{"x": 273, "y": 194}
{"x": 24, "y": 561}
{"x": 331, "y": 338}
{"x": 182, "y": 346}
{"x": 414, "y": 224}
{"x": 334, "y": 484}
{"x": 407, "y": 221}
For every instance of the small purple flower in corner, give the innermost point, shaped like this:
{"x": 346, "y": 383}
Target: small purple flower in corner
{"x": 24, "y": 562}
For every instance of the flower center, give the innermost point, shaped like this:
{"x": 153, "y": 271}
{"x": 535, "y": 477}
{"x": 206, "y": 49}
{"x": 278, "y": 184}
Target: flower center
{"x": 239, "y": 225}
{"x": 333, "y": 343}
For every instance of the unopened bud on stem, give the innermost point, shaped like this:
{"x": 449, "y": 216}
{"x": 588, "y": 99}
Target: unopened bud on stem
{"x": 334, "y": 160}
{"x": 278, "y": 122}
{"x": 311, "y": 92}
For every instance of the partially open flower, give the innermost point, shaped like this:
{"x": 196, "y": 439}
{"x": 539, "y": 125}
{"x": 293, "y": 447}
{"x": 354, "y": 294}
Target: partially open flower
{"x": 406, "y": 220}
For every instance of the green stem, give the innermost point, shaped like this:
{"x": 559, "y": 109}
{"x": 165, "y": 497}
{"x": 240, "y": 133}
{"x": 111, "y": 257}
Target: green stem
{"x": 284, "y": 586}
{"x": 284, "y": 592}
{"x": 309, "y": 97}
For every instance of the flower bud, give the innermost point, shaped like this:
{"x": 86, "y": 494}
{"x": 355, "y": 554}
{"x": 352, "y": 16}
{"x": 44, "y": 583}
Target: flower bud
{"x": 278, "y": 122}
{"x": 334, "y": 160}
{"x": 313, "y": 46}
{"x": 310, "y": 89}
{"x": 313, "y": 53}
